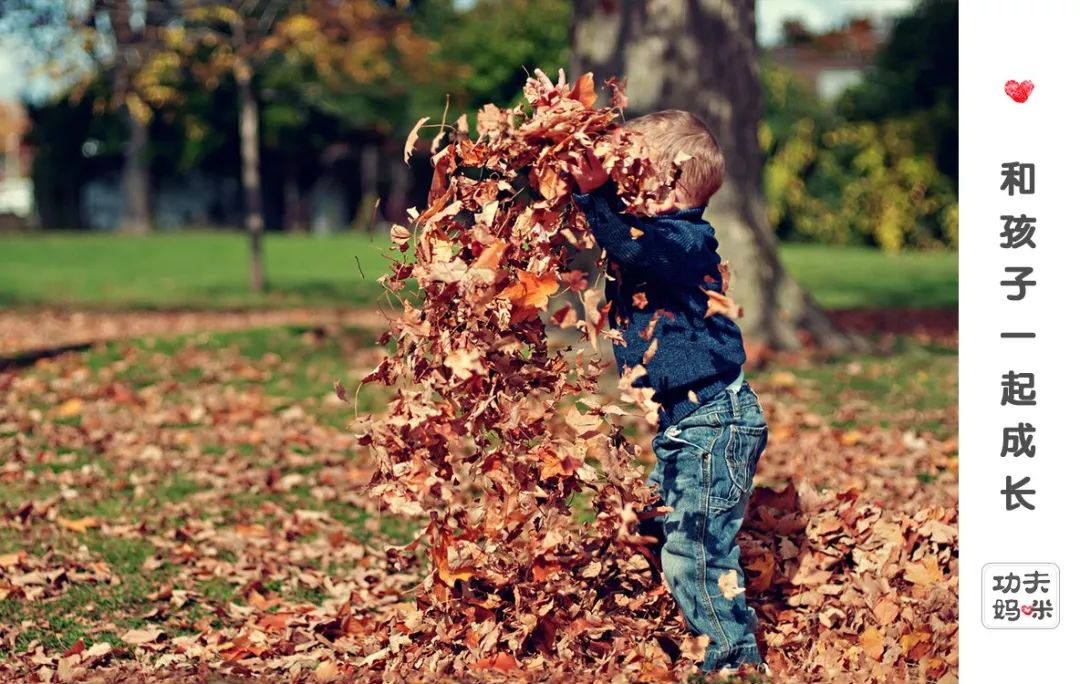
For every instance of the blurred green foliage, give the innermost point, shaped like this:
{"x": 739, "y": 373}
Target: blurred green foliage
{"x": 878, "y": 167}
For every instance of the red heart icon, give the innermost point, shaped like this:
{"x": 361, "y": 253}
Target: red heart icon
{"x": 1027, "y": 610}
{"x": 1019, "y": 91}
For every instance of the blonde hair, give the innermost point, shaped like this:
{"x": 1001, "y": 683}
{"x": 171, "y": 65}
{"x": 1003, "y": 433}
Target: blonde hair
{"x": 671, "y": 131}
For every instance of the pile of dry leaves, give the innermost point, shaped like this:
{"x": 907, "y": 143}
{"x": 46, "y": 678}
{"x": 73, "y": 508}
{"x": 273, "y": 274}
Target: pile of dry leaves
{"x": 500, "y": 441}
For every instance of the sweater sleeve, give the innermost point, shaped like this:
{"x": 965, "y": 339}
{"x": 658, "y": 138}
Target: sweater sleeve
{"x": 679, "y": 251}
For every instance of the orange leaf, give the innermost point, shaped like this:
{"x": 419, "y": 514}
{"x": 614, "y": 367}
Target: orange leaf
{"x": 504, "y": 662}
{"x": 924, "y": 574}
{"x": 257, "y": 600}
{"x": 442, "y": 566}
{"x": 873, "y": 642}
{"x": 491, "y": 256}
{"x": 531, "y": 292}
{"x": 69, "y": 409}
{"x": 886, "y": 610}
{"x": 584, "y": 90}
{"x": 763, "y": 567}
{"x": 721, "y": 304}
{"x": 910, "y": 643}
{"x": 81, "y": 525}
{"x": 9, "y": 559}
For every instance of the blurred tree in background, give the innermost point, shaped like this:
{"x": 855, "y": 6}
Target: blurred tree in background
{"x": 331, "y": 87}
{"x": 879, "y": 167}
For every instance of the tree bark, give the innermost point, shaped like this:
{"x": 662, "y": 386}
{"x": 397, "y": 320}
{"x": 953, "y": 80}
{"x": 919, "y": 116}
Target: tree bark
{"x": 251, "y": 178}
{"x": 701, "y": 56}
{"x": 136, "y": 178}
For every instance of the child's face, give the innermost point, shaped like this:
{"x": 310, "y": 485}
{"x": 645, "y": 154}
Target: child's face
{"x": 675, "y": 200}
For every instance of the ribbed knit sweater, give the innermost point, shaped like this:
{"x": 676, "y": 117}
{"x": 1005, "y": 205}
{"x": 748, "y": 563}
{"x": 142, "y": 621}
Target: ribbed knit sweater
{"x": 668, "y": 264}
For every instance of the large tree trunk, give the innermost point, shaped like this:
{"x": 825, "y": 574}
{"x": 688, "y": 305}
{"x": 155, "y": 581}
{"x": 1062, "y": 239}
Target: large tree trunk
{"x": 136, "y": 178}
{"x": 251, "y": 178}
{"x": 701, "y": 56}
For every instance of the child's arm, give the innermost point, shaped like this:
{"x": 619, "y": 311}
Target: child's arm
{"x": 680, "y": 252}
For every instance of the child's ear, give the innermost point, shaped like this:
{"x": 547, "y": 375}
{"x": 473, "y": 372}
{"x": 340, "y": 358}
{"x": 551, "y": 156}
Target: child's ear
{"x": 667, "y": 205}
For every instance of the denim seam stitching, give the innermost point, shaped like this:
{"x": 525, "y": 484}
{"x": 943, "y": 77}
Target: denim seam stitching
{"x": 729, "y": 461}
{"x": 707, "y": 486}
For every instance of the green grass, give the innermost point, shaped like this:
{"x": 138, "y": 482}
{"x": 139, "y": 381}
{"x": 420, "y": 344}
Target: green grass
{"x": 210, "y": 270}
{"x": 191, "y": 269}
{"x": 861, "y": 277}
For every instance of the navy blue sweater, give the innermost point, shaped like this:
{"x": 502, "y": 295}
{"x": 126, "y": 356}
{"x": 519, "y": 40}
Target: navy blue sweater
{"x": 668, "y": 263}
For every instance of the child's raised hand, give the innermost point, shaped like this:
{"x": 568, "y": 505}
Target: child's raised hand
{"x": 588, "y": 172}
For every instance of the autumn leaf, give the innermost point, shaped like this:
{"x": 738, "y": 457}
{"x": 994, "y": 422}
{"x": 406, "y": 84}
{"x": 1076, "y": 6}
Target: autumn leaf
{"x": 339, "y": 390}
{"x": 873, "y": 642}
{"x": 400, "y": 236}
{"x": 729, "y": 585}
{"x": 327, "y": 671}
{"x": 886, "y": 611}
{"x": 138, "y": 637}
{"x": 463, "y": 363}
{"x": 69, "y": 409}
{"x": 566, "y": 317}
{"x": 721, "y": 304}
{"x": 79, "y": 526}
{"x": 530, "y": 293}
{"x": 584, "y": 90}
{"x": 503, "y": 662}
{"x": 413, "y": 137}
{"x": 650, "y": 352}
{"x": 491, "y": 256}
{"x": 8, "y": 560}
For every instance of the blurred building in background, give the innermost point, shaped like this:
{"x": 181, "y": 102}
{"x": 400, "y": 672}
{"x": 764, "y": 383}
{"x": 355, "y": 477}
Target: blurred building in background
{"x": 16, "y": 188}
{"x": 833, "y": 61}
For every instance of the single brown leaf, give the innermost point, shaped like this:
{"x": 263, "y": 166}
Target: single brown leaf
{"x": 413, "y": 137}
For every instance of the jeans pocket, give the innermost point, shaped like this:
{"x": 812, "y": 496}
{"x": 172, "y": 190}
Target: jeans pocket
{"x": 734, "y": 476}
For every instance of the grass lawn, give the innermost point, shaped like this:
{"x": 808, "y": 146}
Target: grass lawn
{"x": 192, "y": 269}
{"x": 861, "y": 277}
{"x": 201, "y": 269}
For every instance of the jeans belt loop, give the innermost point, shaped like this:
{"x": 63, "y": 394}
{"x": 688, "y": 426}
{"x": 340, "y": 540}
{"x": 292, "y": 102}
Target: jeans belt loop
{"x": 734, "y": 396}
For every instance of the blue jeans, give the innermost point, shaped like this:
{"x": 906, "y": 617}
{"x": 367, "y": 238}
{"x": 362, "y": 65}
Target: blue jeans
{"x": 705, "y": 467}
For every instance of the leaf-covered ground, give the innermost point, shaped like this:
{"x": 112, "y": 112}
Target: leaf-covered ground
{"x": 193, "y": 507}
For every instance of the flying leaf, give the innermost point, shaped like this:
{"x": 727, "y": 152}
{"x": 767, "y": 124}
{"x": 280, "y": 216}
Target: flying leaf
{"x": 413, "y": 137}
{"x": 529, "y": 293}
{"x": 721, "y": 304}
{"x": 584, "y": 90}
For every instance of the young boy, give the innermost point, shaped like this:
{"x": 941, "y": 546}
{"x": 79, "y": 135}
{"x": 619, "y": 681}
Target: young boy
{"x": 712, "y": 430}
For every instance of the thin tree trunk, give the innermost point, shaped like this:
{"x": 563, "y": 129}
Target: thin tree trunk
{"x": 701, "y": 56}
{"x": 369, "y": 189}
{"x": 136, "y": 178}
{"x": 252, "y": 183}
{"x": 294, "y": 222}
{"x": 400, "y": 183}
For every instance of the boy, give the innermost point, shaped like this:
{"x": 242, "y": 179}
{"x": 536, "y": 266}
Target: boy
{"x": 712, "y": 430}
